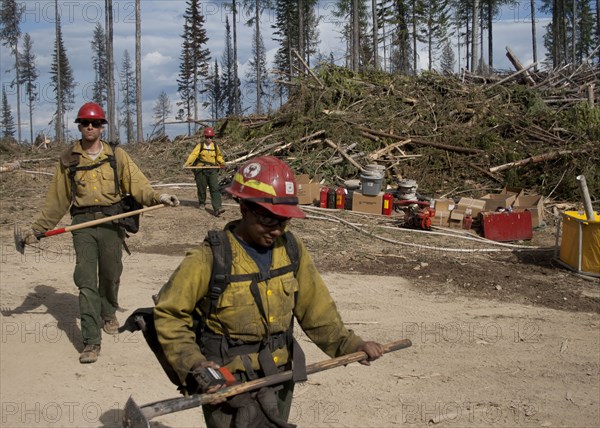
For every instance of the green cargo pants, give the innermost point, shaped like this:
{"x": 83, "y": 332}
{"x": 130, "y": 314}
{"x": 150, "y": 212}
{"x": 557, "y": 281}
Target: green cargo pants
{"x": 208, "y": 177}
{"x": 98, "y": 268}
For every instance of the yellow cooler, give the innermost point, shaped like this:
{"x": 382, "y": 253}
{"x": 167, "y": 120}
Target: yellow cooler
{"x": 580, "y": 244}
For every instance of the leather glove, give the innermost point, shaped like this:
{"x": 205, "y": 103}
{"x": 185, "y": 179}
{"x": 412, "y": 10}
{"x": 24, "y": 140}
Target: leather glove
{"x": 167, "y": 199}
{"x": 203, "y": 384}
{"x": 29, "y": 237}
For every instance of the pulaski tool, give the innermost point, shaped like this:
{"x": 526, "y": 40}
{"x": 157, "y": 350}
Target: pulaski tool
{"x": 20, "y": 241}
{"x": 135, "y": 416}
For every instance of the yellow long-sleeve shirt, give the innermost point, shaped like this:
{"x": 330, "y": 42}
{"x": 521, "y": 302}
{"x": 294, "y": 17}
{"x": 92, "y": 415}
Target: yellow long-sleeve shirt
{"x": 205, "y": 153}
{"x": 93, "y": 187}
{"x": 314, "y": 308}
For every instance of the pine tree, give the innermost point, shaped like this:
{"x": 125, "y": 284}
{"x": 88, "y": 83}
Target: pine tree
{"x": 98, "y": 44}
{"x": 29, "y": 75}
{"x": 344, "y": 12}
{"x": 434, "y": 18}
{"x": 127, "y": 76}
{"x": 396, "y": 14}
{"x": 66, "y": 85}
{"x": 257, "y": 51}
{"x": 10, "y": 32}
{"x": 194, "y": 59}
{"x": 162, "y": 110}
{"x": 230, "y": 84}
{"x": 448, "y": 59}
{"x": 215, "y": 93}
{"x": 8, "y": 122}
{"x": 258, "y": 67}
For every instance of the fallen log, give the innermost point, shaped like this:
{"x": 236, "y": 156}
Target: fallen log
{"x": 343, "y": 153}
{"x": 420, "y": 142}
{"x": 8, "y": 167}
{"x": 534, "y": 159}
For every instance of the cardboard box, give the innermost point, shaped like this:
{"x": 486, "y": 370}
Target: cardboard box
{"x": 443, "y": 204}
{"x": 456, "y": 216}
{"x": 517, "y": 191}
{"x": 493, "y": 201}
{"x": 367, "y": 204}
{"x": 441, "y": 218}
{"x": 308, "y": 189}
{"x": 533, "y": 203}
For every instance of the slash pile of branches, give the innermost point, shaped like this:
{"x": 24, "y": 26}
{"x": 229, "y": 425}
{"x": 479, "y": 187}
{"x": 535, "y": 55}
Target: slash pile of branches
{"x": 454, "y": 135}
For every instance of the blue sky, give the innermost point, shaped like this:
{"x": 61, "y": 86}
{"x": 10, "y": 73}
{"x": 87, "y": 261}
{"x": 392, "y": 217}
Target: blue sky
{"x": 162, "y": 24}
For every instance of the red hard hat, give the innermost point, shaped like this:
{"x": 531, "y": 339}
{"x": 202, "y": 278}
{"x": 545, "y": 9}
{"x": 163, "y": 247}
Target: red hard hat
{"x": 91, "y": 111}
{"x": 270, "y": 183}
{"x": 209, "y": 132}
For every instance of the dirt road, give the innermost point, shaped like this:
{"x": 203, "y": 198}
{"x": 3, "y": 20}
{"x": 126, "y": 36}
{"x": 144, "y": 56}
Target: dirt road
{"x": 498, "y": 339}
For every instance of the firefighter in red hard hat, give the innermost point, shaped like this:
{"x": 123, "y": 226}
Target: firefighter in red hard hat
{"x": 245, "y": 285}
{"x": 207, "y": 159}
{"x": 90, "y": 181}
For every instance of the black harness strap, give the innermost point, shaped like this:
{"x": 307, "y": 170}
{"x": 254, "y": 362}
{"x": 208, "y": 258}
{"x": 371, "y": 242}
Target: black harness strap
{"x": 73, "y": 168}
{"x": 221, "y": 277}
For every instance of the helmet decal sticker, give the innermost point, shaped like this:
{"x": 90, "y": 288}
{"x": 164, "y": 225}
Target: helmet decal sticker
{"x": 289, "y": 188}
{"x": 251, "y": 170}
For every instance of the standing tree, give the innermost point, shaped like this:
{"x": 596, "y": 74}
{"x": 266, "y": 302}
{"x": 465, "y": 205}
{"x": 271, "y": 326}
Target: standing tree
{"x": 237, "y": 94}
{"x": 533, "y": 34}
{"x": 29, "y": 75}
{"x": 128, "y": 94}
{"x": 258, "y": 67}
{"x": 138, "y": 71}
{"x": 8, "y": 122}
{"x": 162, "y": 110}
{"x": 58, "y": 89}
{"x": 10, "y": 18}
{"x": 61, "y": 78}
{"x": 257, "y": 47}
{"x": 475, "y": 36}
{"x": 214, "y": 90}
{"x": 448, "y": 59}
{"x": 100, "y": 60}
{"x": 110, "y": 67}
{"x": 230, "y": 83}
{"x": 396, "y": 14}
{"x": 434, "y": 17}
{"x": 194, "y": 59}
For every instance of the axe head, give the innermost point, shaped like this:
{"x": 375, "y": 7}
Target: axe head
{"x": 133, "y": 417}
{"x": 19, "y": 241}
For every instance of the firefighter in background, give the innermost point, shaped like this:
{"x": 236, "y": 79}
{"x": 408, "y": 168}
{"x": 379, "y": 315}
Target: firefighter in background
{"x": 208, "y": 159}
{"x": 247, "y": 325}
{"x": 89, "y": 181}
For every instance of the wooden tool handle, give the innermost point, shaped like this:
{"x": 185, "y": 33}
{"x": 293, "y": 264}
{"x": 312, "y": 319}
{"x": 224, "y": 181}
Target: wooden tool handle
{"x": 176, "y": 404}
{"x": 97, "y": 221}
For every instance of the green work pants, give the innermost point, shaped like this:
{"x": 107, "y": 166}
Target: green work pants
{"x": 208, "y": 177}
{"x": 98, "y": 268}
{"x": 222, "y": 416}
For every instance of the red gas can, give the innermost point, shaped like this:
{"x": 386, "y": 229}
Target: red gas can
{"x": 388, "y": 202}
{"x": 340, "y": 198}
{"x": 323, "y": 197}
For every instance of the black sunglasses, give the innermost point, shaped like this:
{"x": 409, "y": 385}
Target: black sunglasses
{"x": 95, "y": 123}
{"x": 267, "y": 220}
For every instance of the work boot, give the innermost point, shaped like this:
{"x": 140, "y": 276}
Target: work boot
{"x": 200, "y": 206}
{"x": 111, "y": 326}
{"x": 89, "y": 354}
{"x": 219, "y": 211}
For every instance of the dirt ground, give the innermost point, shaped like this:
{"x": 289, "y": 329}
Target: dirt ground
{"x": 503, "y": 339}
